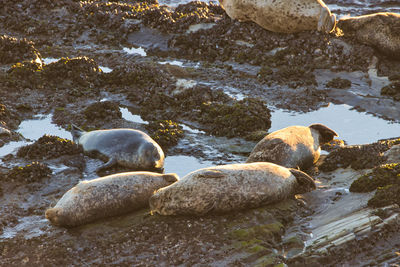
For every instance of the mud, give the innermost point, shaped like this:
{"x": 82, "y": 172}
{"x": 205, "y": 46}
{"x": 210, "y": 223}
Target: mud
{"x": 209, "y": 87}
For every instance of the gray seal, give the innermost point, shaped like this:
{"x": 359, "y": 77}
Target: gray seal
{"x": 230, "y": 187}
{"x": 286, "y": 16}
{"x": 380, "y": 30}
{"x": 107, "y": 196}
{"x": 293, "y": 147}
{"x": 128, "y": 148}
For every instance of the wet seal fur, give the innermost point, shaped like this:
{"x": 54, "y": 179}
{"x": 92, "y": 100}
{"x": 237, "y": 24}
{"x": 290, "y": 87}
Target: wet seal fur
{"x": 380, "y": 30}
{"x": 286, "y": 16}
{"x": 230, "y": 187}
{"x": 107, "y": 196}
{"x": 293, "y": 147}
{"x": 128, "y": 148}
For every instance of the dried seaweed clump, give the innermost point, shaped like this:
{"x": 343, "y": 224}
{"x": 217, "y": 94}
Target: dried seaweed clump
{"x": 385, "y": 196}
{"x": 165, "y": 132}
{"x": 30, "y": 173}
{"x": 49, "y": 146}
{"x": 392, "y": 90}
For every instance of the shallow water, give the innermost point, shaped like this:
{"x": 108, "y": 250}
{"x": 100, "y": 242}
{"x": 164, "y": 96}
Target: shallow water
{"x": 352, "y": 126}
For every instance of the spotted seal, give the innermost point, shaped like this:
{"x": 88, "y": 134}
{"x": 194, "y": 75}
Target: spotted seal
{"x": 230, "y": 187}
{"x": 380, "y": 30}
{"x": 107, "y": 196}
{"x": 292, "y": 147}
{"x": 129, "y": 148}
{"x": 286, "y": 16}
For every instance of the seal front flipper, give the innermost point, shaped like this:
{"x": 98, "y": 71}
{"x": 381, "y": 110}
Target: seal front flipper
{"x": 111, "y": 162}
{"x": 76, "y": 132}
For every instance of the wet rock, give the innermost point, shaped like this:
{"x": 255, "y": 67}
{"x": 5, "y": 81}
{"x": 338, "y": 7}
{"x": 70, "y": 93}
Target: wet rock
{"x": 49, "y": 146}
{"x": 14, "y": 50}
{"x": 30, "y": 173}
{"x": 380, "y": 30}
{"x": 381, "y": 176}
{"x": 165, "y": 132}
{"x": 358, "y": 156}
{"x": 392, "y": 90}
{"x": 102, "y": 111}
{"x": 338, "y": 83}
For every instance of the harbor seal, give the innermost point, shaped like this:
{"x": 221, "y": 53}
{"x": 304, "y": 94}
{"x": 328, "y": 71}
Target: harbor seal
{"x": 293, "y": 147}
{"x": 128, "y": 148}
{"x": 379, "y": 30}
{"x": 107, "y": 196}
{"x": 230, "y": 187}
{"x": 286, "y": 16}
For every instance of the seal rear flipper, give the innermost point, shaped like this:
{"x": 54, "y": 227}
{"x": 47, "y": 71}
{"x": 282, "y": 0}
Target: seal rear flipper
{"x": 76, "y": 132}
{"x": 305, "y": 181}
{"x": 110, "y": 163}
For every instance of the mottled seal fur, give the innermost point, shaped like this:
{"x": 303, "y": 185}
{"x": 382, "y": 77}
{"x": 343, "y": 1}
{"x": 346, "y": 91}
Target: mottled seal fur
{"x": 286, "y": 16}
{"x": 129, "y": 148}
{"x": 293, "y": 147}
{"x": 380, "y": 30}
{"x": 107, "y": 196}
{"x": 230, "y": 187}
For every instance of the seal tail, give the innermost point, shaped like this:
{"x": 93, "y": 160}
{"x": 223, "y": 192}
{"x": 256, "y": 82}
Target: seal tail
{"x": 305, "y": 181}
{"x": 76, "y": 132}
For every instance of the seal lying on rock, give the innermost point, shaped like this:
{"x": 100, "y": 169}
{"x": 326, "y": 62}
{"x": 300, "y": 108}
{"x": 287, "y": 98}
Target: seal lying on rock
{"x": 285, "y": 16}
{"x": 230, "y": 187}
{"x": 380, "y": 30}
{"x": 107, "y": 196}
{"x": 294, "y": 146}
{"x": 129, "y": 148}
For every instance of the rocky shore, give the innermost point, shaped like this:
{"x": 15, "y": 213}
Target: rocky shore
{"x": 205, "y": 87}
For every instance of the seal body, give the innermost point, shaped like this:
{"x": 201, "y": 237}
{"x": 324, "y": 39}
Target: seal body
{"x": 286, "y": 16}
{"x": 380, "y": 30}
{"x": 230, "y": 187}
{"x": 129, "y": 148}
{"x": 107, "y": 196}
{"x": 292, "y": 147}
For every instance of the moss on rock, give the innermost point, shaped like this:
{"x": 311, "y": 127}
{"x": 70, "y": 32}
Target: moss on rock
{"x": 338, "y": 83}
{"x": 15, "y": 49}
{"x": 165, "y": 132}
{"x": 49, "y": 146}
{"x": 392, "y": 90}
{"x": 386, "y": 195}
{"x": 380, "y": 176}
{"x": 103, "y": 111}
{"x": 358, "y": 156}
{"x": 30, "y": 173}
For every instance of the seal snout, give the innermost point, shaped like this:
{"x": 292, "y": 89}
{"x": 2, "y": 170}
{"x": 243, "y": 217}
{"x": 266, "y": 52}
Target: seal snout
{"x": 171, "y": 177}
{"x": 53, "y": 215}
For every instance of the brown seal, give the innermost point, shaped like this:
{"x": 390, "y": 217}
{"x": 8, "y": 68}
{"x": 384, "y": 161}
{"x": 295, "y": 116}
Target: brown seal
{"x": 285, "y": 16}
{"x": 380, "y": 30}
{"x": 107, "y": 196}
{"x": 293, "y": 147}
{"x": 230, "y": 187}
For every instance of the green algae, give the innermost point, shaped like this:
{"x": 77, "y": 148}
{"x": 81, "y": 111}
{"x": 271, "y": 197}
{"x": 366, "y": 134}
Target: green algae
{"x": 380, "y": 176}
